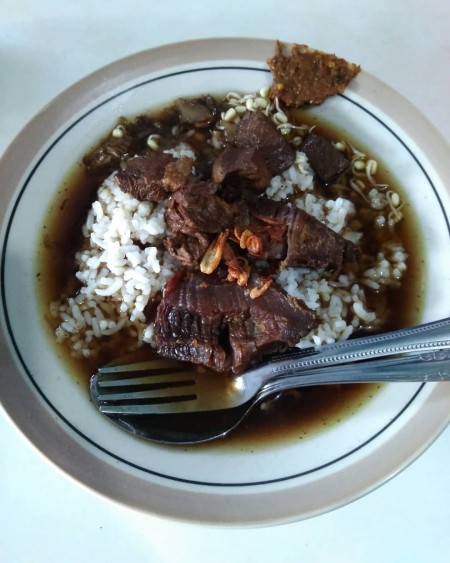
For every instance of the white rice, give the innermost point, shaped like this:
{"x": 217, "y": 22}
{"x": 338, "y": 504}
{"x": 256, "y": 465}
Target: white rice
{"x": 120, "y": 275}
{"x": 298, "y": 177}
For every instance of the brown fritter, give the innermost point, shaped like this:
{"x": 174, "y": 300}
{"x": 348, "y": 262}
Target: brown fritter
{"x": 302, "y": 75}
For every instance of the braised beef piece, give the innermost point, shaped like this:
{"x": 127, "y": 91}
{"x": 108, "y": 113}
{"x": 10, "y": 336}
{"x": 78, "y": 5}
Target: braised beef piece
{"x": 142, "y": 176}
{"x": 176, "y": 173}
{"x": 153, "y": 176}
{"x": 325, "y": 159}
{"x": 309, "y": 243}
{"x": 187, "y": 249}
{"x": 302, "y": 75}
{"x": 199, "y": 112}
{"x": 193, "y": 213}
{"x": 106, "y": 157}
{"x": 196, "y": 208}
{"x": 255, "y": 130}
{"x": 273, "y": 230}
{"x": 209, "y": 321}
{"x": 245, "y": 167}
{"x": 312, "y": 244}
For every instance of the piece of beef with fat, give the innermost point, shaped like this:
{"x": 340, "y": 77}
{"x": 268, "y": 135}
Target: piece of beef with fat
{"x": 154, "y": 175}
{"x": 187, "y": 249}
{"x": 256, "y": 130}
{"x": 245, "y": 166}
{"x": 197, "y": 208}
{"x": 208, "y": 321}
{"x": 325, "y": 159}
{"x": 309, "y": 243}
{"x": 106, "y": 157}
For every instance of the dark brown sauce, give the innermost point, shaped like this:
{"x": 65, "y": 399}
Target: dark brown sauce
{"x": 301, "y": 414}
{"x": 295, "y": 415}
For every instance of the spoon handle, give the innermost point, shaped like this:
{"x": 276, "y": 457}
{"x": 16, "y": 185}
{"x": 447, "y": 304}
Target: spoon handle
{"x": 425, "y": 337}
{"x": 424, "y": 366}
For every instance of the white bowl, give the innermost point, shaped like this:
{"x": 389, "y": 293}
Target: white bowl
{"x": 283, "y": 482}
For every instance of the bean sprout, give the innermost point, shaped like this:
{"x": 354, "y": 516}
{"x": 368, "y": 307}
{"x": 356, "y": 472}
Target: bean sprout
{"x": 229, "y": 115}
{"x": 357, "y": 153}
{"x": 118, "y": 132}
{"x": 341, "y": 146}
{"x": 371, "y": 169}
{"x": 153, "y": 141}
{"x": 358, "y": 167}
{"x": 358, "y": 186}
{"x": 395, "y": 215}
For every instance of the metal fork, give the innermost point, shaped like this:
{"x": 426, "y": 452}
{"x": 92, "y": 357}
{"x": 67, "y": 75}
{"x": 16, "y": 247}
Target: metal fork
{"x": 165, "y": 386}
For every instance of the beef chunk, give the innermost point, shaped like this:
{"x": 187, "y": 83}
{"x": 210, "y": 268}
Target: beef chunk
{"x": 302, "y": 75}
{"x": 196, "y": 208}
{"x": 194, "y": 213}
{"x": 107, "y": 156}
{"x": 208, "y": 321}
{"x": 142, "y": 176}
{"x": 255, "y": 130}
{"x": 247, "y": 165}
{"x": 328, "y": 163}
{"x": 312, "y": 244}
{"x": 187, "y": 249}
{"x": 154, "y": 175}
{"x": 268, "y": 230}
{"x": 199, "y": 112}
{"x": 177, "y": 173}
{"x": 309, "y": 243}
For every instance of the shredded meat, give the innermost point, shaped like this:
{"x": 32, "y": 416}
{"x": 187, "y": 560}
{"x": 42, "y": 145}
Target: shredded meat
{"x": 302, "y": 75}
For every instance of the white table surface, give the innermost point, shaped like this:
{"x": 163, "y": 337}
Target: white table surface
{"x": 46, "y": 45}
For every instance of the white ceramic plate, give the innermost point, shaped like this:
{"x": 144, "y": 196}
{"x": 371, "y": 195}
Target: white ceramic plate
{"x": 280, "y": 483}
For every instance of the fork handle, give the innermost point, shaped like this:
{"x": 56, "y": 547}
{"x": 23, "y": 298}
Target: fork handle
{"x": 424, "y": 367}
{"x": 430, "y": 336}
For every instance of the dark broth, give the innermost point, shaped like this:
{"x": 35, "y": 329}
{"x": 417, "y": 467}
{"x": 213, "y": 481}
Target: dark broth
{"x": 296, "y": 414}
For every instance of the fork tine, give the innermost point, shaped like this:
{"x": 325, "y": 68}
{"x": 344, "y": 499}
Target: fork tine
{"x": 159, "y": 365}
{"x": 125, "y": 393}
{"x": 161, "y": 394}
{"x": 182, "y": 406}
{"x": 158, "y": 390}
{"x": 160, "y": 379}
